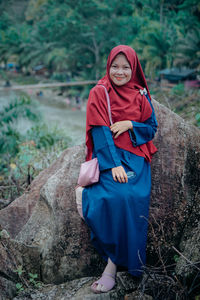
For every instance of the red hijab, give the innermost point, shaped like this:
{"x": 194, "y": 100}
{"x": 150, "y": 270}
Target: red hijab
{"x": 126, "y": 104}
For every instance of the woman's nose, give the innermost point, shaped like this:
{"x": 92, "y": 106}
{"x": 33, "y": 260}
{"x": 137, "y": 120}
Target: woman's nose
{"x": 120, "y": 71}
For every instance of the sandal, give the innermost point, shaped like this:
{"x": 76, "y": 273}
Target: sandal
{"x": 108, "y": 282}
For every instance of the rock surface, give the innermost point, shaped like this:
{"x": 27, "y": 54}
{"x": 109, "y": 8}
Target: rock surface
{"x": 79, "y": 289}
{"x": 45, "y": 217}
{"x": 15, "y": 255}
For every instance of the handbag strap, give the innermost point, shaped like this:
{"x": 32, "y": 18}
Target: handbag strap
{"x": 108, "y": 103}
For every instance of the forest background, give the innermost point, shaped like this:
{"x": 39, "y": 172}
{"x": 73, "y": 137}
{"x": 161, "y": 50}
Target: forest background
{"x": 76, "y": 36}
{"x": 72, "y": 39}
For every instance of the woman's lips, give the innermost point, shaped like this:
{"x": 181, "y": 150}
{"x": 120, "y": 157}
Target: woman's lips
{"x": 119, "y": 78}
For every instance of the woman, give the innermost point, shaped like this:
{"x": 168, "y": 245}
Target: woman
{"x": 116, "y": 208}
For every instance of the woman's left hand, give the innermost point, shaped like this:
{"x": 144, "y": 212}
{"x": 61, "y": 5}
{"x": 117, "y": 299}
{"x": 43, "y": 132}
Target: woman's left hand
{"x": 120, "y": 127}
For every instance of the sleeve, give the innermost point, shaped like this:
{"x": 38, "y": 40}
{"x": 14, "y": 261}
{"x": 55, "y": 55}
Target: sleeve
{"x": 104, "y": 148}
{"x": 144, "y": 132}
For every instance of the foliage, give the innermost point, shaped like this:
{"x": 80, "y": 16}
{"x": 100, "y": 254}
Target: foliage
{"x": 19, "y": 270}
{"x": 19, "y": 287}
{"x": 23, "y": 156}
{"x": 197, "y": 117}
{"x": 181, "y": 100}
{"x": 75, "y": 36}
{"x": 32, "y": 280}
{"x": 189, "y": 49}
{"x": 156, "y": 46}
{"x": 177, "y": 90}
{"x": 10, "y": 137}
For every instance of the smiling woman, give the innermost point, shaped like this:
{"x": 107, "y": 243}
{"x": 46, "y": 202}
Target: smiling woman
{"x": 120, "y": 70}
{"x": 116, "y": 207}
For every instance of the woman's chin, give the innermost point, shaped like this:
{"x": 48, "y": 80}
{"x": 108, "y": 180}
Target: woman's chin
{"x": 119, "y": 82}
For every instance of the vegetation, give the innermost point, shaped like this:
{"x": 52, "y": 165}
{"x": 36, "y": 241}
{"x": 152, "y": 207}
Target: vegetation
{"x": 57, "y": 34}
{"x": 23, "y": 156}
{"x": 72, "y": 39}
{"x": 184, "y": 102}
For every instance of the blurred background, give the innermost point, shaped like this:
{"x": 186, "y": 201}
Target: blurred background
{"x": 68, "y": 41}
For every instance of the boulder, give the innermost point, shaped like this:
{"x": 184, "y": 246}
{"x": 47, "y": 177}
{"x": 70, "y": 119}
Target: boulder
{"x": 79, "y": 289}
{"x": 175, "y": 199}
{"x": 45, "y": 217}
{"x": 16, "y": 256}
{"x": 188, "y": 261}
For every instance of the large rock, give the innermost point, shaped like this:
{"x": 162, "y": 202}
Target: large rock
{"x": 16, "y": 256}
{"x": 45, "y": 217}
{"x": 175, "y": 201}
{"x": 79, "y": 289}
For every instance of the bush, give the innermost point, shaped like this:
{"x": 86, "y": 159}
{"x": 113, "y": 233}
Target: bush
{"x": 23, "y": 156}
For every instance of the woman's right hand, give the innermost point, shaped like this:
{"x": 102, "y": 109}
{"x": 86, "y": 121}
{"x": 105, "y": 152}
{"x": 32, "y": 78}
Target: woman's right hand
{"x": 119, "y": 174}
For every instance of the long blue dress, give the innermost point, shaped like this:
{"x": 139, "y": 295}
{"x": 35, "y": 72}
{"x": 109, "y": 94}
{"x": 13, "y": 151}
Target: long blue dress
{"x": 117, "y": 213}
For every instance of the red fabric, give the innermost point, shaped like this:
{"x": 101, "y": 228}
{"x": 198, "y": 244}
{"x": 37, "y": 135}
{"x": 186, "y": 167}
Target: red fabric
{"x": 126, "y": 104}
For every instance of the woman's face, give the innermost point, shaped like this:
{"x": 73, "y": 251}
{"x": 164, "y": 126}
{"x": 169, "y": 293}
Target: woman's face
{"x": 120, "y": 70}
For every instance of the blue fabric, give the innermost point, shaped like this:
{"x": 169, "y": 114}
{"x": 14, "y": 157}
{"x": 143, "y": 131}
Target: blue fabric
{"x": 104, "y": 148}
{"x": 144, "y": 132}
{"x": 117, "y": 213}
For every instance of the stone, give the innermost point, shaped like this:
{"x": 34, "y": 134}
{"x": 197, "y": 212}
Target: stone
{"x": 137, "y": 296}
{"x": 15, "y": 255}
{"x": 175, "y": 199}
{"x": 4, "y": 203}
{"x": 7, "y": 289}
{"x": 45, "y": 217}
{"x": 188, "y": 261}
{"x": 79, "y": 289}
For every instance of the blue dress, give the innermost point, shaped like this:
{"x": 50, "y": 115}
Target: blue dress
{"x": 117, "y": 213}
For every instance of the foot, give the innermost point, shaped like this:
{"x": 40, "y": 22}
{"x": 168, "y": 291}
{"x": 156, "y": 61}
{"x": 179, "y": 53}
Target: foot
{"x": 104, "y": 284}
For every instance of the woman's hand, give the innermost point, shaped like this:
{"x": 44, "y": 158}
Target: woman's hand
{"x": 120, "y": 127}
{"x": 119, "y": 174}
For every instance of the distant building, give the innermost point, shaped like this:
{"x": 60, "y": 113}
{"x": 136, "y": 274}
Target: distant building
{"x": 11, "y": 66}
{"x": 39, "y": 70}
{"x": 176, "y": 75}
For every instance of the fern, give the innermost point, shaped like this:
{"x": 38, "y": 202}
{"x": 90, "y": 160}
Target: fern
{"x": 22, "y": 107}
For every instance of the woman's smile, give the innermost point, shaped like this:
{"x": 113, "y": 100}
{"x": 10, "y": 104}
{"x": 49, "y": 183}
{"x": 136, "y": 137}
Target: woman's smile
{"x": 119, "y": 78}
{"x": 120, "y": 70}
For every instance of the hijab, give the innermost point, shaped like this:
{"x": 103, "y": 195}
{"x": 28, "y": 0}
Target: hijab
{"x": 126, "y": 102}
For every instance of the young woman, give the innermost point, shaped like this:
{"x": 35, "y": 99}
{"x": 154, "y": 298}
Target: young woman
{"x": 116, "y": 208}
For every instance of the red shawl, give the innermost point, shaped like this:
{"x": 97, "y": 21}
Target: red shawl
{"x": 126, "y": 104}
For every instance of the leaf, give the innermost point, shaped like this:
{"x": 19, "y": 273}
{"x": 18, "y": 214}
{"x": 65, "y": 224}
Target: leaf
{"x": 176, "y": 258}
{"x": 19, "y": 270}
{"x": 33, "y": 275}
{"x": 19, "y": 286}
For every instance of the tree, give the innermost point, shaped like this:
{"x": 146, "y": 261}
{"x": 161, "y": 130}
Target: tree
{"x": 76, "y": 36}
{"x": 156, "y": 47}
{"x": 188, "y": 50}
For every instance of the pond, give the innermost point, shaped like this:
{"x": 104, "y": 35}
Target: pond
{"x": 55, "y": 113}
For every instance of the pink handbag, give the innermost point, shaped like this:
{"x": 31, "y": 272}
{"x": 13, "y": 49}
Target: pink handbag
{"x": 89, "y": 171}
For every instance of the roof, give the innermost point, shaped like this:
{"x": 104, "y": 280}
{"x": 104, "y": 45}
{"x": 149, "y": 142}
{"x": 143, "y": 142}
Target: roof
{"x": 38, "y": 68}
{"x": 177, "y": 73}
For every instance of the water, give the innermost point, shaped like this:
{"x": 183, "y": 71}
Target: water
{"x": 71, "y": 121}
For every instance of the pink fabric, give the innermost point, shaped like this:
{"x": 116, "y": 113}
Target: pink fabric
{"x": 89, "y": 172}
